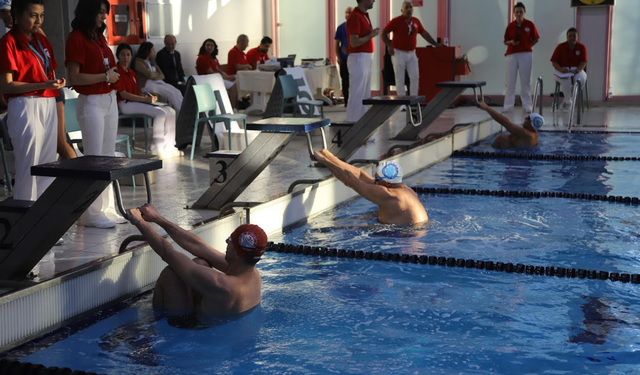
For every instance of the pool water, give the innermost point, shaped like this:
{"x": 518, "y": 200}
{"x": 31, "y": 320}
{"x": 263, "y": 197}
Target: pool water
{"x": 324, "y": 315}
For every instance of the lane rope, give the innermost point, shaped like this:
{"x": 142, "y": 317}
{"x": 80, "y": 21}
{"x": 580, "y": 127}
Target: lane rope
{"x": 509, "y": 155}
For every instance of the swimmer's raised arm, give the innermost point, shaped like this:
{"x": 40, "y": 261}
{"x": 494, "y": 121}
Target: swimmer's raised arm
{"x": 335, "y": 165}
{"x": 502, "y": 120}
{"x": 185, "y": 239}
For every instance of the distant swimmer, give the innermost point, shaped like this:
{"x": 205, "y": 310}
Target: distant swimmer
{"x": 212, "y": 284}
{"x": 397, "y": 203}
{"x": 520, "y": 136}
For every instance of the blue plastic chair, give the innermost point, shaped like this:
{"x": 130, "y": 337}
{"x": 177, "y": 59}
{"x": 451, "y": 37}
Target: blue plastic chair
{"x": 147, "y": 121}
{"x": 290, "y": 91}
{"x": 206, "y": 99}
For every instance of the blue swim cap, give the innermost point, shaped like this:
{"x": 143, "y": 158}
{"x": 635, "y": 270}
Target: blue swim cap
{"x": 537, "y": 121}
{"x": 5, "y": 4}
{"x": 390, "y": 171}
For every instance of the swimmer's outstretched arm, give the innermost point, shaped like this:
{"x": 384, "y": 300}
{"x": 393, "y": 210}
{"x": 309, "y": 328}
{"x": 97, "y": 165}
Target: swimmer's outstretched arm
{"x": 338, "y": 168}
{"x": 185, "y": 239}
{"x": 203, "y": 279}
{"x": 502, "y": 120}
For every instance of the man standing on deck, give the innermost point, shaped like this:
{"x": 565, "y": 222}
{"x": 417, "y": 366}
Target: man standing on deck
{"x": 397, "y": 203}
{"x": 213, "y": 283}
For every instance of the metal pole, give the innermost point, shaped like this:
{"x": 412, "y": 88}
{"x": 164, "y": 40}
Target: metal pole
{"x": 574, "y": 96}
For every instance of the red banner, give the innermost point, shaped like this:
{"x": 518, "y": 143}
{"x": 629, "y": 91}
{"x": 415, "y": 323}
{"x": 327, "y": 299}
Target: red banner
{"x": 417, "y": 3}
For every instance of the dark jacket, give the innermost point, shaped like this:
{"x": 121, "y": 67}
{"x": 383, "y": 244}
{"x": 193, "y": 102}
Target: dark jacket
{"x": 173, "y": 72}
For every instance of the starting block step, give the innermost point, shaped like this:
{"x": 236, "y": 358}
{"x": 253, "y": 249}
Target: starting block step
{"x": 288, "y": 124}
{"x": 16, "y": 206}
{"x": 394, "y": 100}
{"x": 462, "y": 84}
{"x": 98, "y": 168}
{"x": 224, "y": 154}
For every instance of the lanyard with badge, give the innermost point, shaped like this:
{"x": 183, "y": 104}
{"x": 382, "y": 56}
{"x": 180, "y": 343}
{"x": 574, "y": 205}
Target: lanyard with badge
{"x": 409, "y": 25}
{"x": 105, "y": 59}
{"x": 42, "y": 58}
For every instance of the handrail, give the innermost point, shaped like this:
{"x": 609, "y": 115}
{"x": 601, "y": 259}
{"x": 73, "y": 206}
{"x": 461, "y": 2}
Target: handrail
{"x": 128, "y": 240}
{"x": 301, "y": 182}
{"x": 118, "y": 195}
{"x": 574, "y": 96}
{"x": 539, "y": 84}
{"x": 231, "y": 205}
{"x": 475, "y": 95}
{"x": 413, "y": 122}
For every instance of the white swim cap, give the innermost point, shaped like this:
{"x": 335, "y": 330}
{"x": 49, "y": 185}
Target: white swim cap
{"x": 5, "y": 4}
{"x": 537, "y": 121}
{"x": 389, "y": 171}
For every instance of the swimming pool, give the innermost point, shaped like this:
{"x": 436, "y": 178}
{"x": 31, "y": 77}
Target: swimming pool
{"x": 354, "y": 316}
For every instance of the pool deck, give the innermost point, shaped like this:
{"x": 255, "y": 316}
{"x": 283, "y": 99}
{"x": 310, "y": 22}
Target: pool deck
{"x": 182, "y": 181}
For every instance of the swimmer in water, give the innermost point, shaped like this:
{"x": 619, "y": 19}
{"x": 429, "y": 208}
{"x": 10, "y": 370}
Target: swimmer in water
{"x": 519, "y": 136}
{"x": 214, "y": 283}
{"x": 397, "y": 203}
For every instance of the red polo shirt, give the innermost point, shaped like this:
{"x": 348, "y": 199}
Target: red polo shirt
{"x": 234, "y": 57}
{"x": 405, "y": 38}
{"x": 90, "y": 54}
{"x": 565, "y": 57}
{"x": 128, "y": 82}
{"x": 254, "y": 56}
{"x": 204, "y": 63}
{"x": 24, "y": 64}
{"x": 359, "y": 23}
{"x": 526, "y": 35}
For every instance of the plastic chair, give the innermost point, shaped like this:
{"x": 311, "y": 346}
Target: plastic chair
{"x": 7, "y": 175}
{"x": 290, "y": 91}
{"x": 556, "y": 93}
{"x": 147, "y": 121}
{"x": 206, "y": 99}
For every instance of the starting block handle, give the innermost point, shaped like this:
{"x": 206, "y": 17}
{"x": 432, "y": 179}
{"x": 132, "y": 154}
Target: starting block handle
{"x": 118, "y": 194}
{"x": 475, "y": 94}
{"x": 310, "y": 145}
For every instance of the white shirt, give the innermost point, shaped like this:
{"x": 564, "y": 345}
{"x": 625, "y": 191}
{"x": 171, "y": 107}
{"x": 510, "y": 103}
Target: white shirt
{"x": 3, "y": 30}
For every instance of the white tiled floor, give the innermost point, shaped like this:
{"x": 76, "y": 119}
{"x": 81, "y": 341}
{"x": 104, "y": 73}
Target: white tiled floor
{"x": 182, "y": 181}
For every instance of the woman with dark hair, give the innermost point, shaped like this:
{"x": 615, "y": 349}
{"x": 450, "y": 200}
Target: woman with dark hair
{"x": 151, "y": 77}
{"x": 207, "y": 63}
{"x": 520, "y": 37}
{"x": 131, "y": 101}
{"x": 28, "y": 81}
{"x": 92, "y": 73}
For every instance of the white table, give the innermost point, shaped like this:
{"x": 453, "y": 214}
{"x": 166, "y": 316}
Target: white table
{"x": 260, "y": 84}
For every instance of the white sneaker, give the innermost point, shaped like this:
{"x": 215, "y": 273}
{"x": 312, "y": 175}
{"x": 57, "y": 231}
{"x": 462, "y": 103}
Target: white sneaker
{"x": 565, "y": 107}
{"x": 115, "y": 217}
{"x": 101, "y": 222}
{"x": 403, "y": 108}
{"x": 59, "y": 242}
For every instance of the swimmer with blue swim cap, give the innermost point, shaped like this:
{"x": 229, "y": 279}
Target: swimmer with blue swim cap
{"x": 397, "y": 203}
{"x": 524, "y": 136}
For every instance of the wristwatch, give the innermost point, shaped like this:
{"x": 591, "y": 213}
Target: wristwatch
{"x": 107, "y": 77}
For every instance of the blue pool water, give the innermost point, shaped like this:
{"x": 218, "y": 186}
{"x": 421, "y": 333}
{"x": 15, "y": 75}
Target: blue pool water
{"x": 562, "y": 143}
{"x": 324, "y": 315}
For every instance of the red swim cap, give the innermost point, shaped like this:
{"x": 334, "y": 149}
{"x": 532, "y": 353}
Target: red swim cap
{"x": 249, "y": 241}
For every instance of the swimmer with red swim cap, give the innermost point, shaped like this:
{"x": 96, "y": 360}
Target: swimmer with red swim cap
{"x": 213, "y": 283}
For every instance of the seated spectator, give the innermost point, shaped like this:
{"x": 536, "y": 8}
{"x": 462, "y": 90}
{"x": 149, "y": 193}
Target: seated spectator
{"x": 131, "y": 102}
{"x": 207, "y": 63}
{"x": 237, "y": 59}
{"x": 151, "y": 76}
{"x": 570, "y": 57}
{"x": 260, "y": 54}
{"x": 170, "y": 62}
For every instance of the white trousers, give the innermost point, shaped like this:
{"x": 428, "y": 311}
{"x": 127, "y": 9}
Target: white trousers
{"x": 566, "y": 85}
{"x": 173, "y": 95}
{"x": 98, "y": 119}
{"x": 404, "y": 61}
{"x": 518, "y": 62}
{"x": 164, "y": 122}
{"x": 360, "y": 65}
{"x": 33, "y": 129}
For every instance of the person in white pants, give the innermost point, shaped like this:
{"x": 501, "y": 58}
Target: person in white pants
{"x": 151, "y": 77}
{"x": 405, "y": 29}
{"x": 131, "y": 101}
{"x": 360, "y": 62}
{"x": 92, "y": 73}
{"x": 569, "y": 58}
{"x": 520, "y": 37}
{"x": 28, "y": 81}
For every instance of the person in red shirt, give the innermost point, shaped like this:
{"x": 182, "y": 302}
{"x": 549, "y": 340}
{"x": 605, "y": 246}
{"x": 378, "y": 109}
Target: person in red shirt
{"x": 132, "y": 102}
{"x": 570, "y": 57}
{"x": 207, "y": 63}
{"x": 520, "y": 37}
{"x": 405, "y": 29}
{"x": 92, "y": 72}
{"x": 361, "y": 33}
{"x": 260, "y": 54}
{"x": 28, "y": 82}
{"x": 237, "y": 59}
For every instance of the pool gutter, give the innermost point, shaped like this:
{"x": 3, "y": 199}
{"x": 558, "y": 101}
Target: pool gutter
{"x": 33, "y": 311}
